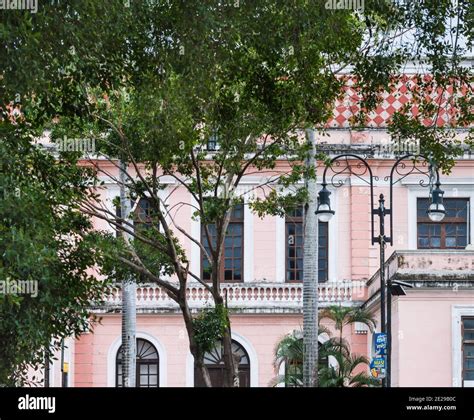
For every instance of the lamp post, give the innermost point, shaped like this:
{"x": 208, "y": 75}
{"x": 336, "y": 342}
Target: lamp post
{"x": 357, "y": 166}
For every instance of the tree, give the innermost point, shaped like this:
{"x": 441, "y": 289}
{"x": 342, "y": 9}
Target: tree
{"x": 46, "y": 248}
{"x": 156, "y": 80}
{"x": 343, "y": 374}
{"x": 339, "y": 348}
{"x": 344, "y": 315}
{"x": 290, "y": 351}
{"x": 129, "y": 297}
{"x": 310, "y": 275}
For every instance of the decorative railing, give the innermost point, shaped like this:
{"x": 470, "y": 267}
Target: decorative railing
{"x": 244, "y": 296}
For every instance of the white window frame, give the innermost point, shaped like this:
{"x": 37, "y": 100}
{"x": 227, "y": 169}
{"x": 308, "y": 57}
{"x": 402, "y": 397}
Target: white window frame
{"x": 451, "y": 191}
{"x": 280, "y": 246}
{"x": 248, "y": 243}
{"x": 457, "y": 313}
{"x": 162, "y": 357}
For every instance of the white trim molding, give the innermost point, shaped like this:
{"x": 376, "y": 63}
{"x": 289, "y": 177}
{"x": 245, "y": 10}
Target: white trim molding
{"x": 280, "y": 249}
{"x": 249, "y": 242}
{"x": 457, "y": 312}
{"x": 195, "y": 262}
{"x": 280, "y": 246}
{"x": 451, "y": 191}
{"x": 163, "y": 360}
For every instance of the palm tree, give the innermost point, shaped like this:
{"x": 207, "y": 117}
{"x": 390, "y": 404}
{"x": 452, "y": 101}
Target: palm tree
{"x": 310, "y": 273}
{"x": 343, "y": 374}
{"x": 129, "y": 291}
{"x": 289, "y": 353}
{"x": 290, "y": 350}
{"x": 342, "y": 316}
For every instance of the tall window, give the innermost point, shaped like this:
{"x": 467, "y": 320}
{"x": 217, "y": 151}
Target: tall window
{"x": 232, "y": 259}
{"x": 451, "y": 232}
{"x": 147, "y": 365}
{"x": 143, "y": 211}
{"x": 214, "y": 361}
{"x": 213, "y": 143}
{"x": 143, "y": 215}
{"x": 294, "y": 247}
{"x": 468, "y": 349}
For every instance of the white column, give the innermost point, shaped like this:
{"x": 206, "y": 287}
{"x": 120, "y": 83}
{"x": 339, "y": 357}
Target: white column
{"x": 248, "y": 243}
{"x": 195, "y": 263}
{"x": 280, "y": 256}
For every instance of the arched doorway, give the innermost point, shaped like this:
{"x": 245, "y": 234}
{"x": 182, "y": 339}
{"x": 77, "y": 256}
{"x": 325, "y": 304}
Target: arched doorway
{"x": 215, "y": 365}
{"x": 147, "y": 367}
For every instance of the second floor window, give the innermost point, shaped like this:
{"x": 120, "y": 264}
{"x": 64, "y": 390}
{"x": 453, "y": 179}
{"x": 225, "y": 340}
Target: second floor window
{"x": 451, "y": 232}
{"x": 213, "y": 143}
{"x": 231, "y": 269}
{"x": 142, "y": 215}
{"x": 294, "y": 247}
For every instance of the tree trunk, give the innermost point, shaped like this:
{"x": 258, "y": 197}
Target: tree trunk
{"x": 228, "y": 357}
{"x": 204, "y": 372}
{"x": 129, "y": 291}
{"x": 310, "y": 275}
{"x": 197, "y": 354}
{"x": 230, "y": 377}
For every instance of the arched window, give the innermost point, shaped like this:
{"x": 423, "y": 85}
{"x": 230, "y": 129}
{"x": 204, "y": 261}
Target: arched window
{"x": 147, "y": 365}
{"x": 215, "y": 364}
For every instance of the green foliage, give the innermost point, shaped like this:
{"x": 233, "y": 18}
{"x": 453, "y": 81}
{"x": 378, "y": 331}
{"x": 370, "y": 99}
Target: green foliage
{"x": 343, "y": 375}
{"x": 343, "y": 316}
{"x": 210, "y": 326}
{"x": 290, "y": 350}
{"x": 44, "y": 238}
{"x": 152, "y": 82}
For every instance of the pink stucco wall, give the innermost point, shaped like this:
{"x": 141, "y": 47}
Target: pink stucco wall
{"x": 264, "y": 248}
{"x": 260, "y": 334}
{"x": 423, "y": 350}
{"x": 422, "y": 321}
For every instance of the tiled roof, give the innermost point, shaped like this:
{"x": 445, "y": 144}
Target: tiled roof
{"x": 347, "y": 106}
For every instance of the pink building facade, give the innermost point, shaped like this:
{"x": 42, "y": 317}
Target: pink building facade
{"x": 433, "y": 325}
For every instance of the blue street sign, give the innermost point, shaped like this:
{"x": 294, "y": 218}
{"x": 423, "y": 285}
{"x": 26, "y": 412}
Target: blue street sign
{"x": 380, "y": 344}
{"x": 378, "y": 367}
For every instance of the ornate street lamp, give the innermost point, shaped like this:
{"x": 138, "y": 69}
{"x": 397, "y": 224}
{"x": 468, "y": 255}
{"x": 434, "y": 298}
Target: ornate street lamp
{"x": 324, "y": 211}
{"x": 436, "y": 211}
{"x": 359, "y": 167}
